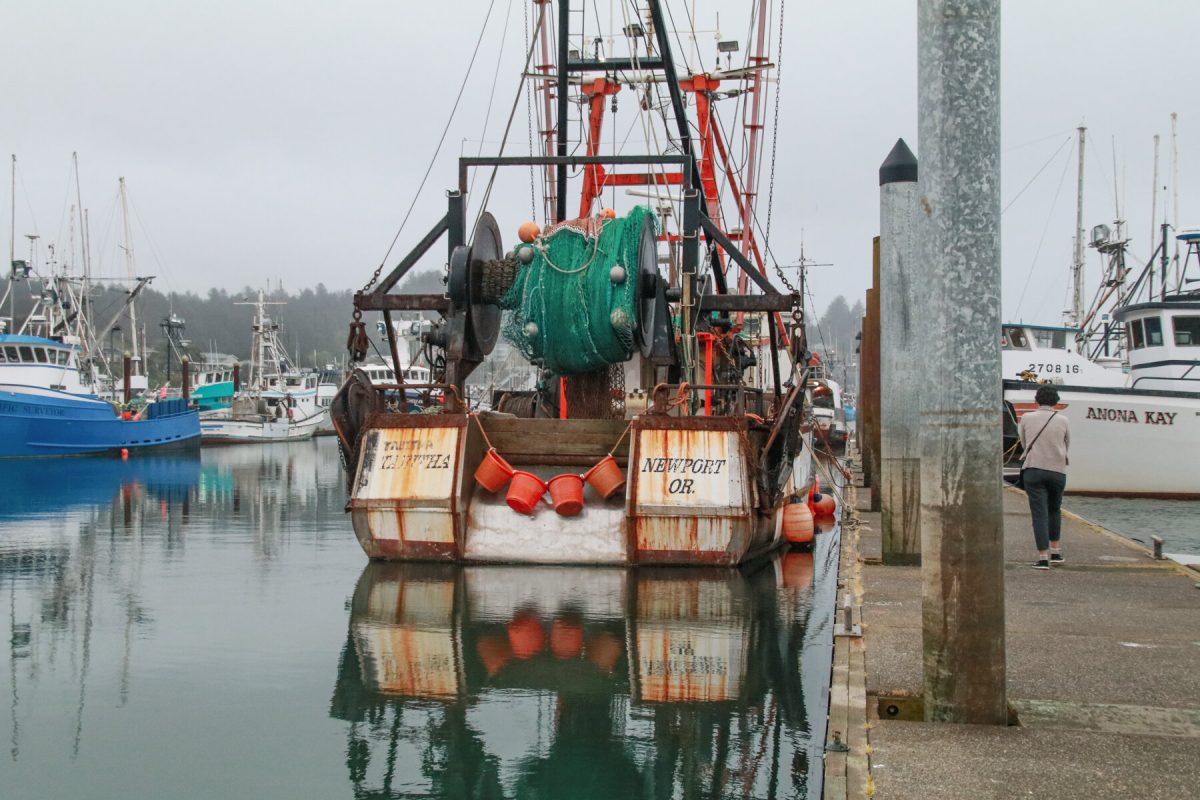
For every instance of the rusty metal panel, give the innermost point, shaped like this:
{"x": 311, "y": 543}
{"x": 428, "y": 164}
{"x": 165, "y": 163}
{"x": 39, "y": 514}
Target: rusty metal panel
{"x": 408, "y": 464}
{"x": 688, "y": 470}
{"x": 678, "y": 663}
{"x": 406, "y": 640}
{"x": 692, "y": 641}
{"x": 409, "y": 660}
{"x": 683, "y": 534}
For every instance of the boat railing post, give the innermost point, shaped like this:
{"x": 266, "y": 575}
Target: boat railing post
{"x": 186, "y": 377}
{"x": 126, "y": 364}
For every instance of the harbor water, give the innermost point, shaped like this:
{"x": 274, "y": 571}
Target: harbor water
{"x": 1176, "y": 521}
{"x": 206, "y": 626}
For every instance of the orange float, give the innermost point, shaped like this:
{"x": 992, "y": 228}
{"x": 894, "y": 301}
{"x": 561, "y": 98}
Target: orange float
{"x": 608, "y": 213}
{"x": 797, "y": 523}
{"x": 824, "y": 505}
{"x": 528, "y": 231}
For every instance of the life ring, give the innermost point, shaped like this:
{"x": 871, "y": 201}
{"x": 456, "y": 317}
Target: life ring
{"x": 289, "y": 412}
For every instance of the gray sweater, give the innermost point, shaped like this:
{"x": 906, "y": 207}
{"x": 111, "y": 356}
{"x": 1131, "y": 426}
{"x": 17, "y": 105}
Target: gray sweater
{"x": 1049, "y": 450}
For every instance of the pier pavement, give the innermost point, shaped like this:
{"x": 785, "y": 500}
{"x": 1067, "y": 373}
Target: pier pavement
{"x": 1103, "y": 676}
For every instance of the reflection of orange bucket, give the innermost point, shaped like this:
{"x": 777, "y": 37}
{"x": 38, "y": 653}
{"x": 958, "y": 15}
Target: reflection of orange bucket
{"x": 606, "y": 477}
{"x": 604, "y": 650}
{"x": 525, "y": 492}
{"x": 525, "y": 634}
{"x": 494, "y": 650}
{"x": 493, "y": 472}
{"x": 566, "y": 638}
{"x": 566, "y": 492}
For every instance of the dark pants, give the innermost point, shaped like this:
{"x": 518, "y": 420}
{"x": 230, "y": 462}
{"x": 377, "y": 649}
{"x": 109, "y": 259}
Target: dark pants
{"x": 1045, "y": 490}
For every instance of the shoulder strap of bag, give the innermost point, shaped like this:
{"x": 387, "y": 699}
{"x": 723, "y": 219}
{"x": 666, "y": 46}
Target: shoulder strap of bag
{"x": 1029, "y": 449}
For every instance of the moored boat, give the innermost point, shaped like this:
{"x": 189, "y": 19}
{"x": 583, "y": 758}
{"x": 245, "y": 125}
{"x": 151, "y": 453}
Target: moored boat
{"x": 46, "y": 410}
{"x": 649, "y": 432}
{"x": 277, "y": 404}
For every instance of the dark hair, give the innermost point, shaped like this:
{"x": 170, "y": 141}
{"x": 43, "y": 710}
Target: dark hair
{"x": 1046, "y": 396}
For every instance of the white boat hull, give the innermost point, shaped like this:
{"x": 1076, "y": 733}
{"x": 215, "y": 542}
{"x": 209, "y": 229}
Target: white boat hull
{"x": 224, "y": 430}
{"x": 1125, "y": 441}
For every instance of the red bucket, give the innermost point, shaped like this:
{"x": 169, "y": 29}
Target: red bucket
{"x": 566, "y": 492}
{"x": 525, "y": 492}
{"x": 606, "y": 477}
{"x": 493, "y": 472}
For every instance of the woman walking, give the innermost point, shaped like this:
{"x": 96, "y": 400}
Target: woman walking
{"x": 1045, "y": 437}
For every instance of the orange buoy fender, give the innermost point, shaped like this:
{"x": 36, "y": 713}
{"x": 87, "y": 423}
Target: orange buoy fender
{"x": 797, "y": 523}
{"x": 824, "y": 505}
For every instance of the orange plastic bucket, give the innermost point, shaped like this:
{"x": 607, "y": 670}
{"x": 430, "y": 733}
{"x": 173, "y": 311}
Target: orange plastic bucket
{"x": 493, "y": 472}
{"x": 566, "y": 492}
{"x": 525, "y": 492}
{"x": 606, "y": 477}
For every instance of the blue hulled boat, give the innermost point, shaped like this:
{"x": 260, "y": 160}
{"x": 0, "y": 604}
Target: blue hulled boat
{"x": 46, "y": 410}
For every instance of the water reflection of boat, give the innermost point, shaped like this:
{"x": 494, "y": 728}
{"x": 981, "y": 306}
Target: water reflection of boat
{"x": 61, "y": 484}
{"x": 585, "y": 682}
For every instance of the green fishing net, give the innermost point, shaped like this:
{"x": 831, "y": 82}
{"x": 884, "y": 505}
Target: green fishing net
{"x": 565, "y": 310}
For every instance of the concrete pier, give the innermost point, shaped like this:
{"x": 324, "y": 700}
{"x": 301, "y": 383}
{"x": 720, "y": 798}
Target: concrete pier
{"x": 962, "y": 553}
{"x": 901, "y": 326}
{"x": 1102, "y": 679}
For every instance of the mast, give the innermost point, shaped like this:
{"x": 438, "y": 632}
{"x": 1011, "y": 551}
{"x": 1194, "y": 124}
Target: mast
{"x": 757, "y": 114}
{"x": 1077, "y": 310}
{"x": 136, "y": 360}
{"x": 1175, "y": 194}
{"x": 12, "y": 255}
{"x": 1154, "y": 195}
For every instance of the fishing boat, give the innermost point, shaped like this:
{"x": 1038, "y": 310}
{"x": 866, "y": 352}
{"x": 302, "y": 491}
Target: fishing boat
{"x": 277, "y": 404}
{"x": 648, "y": 439}
{"x": 1135, "y": 427}
{"x": 57, "y": 395}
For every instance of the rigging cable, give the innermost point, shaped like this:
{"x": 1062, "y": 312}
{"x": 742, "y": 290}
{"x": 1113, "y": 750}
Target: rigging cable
{"x": 508, "y": 126}
{"x": 487, "y": 116}
{"x": 437, "y": 150}
{"x": 1062, "y": 178}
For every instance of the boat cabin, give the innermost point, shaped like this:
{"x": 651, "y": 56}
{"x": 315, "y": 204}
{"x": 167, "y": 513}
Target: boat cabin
{"x": 36, "y": 361}
{"x": 1163, "y": 340}
{"x": 1048, "y": 353}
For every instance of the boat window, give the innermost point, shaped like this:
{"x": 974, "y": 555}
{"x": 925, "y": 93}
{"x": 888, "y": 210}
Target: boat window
{"x": 1154, "y": 337}
{"x": 2, "y": 358}
{"x": 1187, "y": 331}
{"x": 63, "y": 357}
{"x": 1051, "y": 340}
{"x": 11, "y": 352}
{"x": 40, "y": 354}
{"x": 27, "y": 355}
{"x": 1136, "y": 339}
{"x": 1016, "y": 339}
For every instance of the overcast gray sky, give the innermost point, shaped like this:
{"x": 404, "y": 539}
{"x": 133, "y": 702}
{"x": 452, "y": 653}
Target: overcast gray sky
{"x": 284, "y": 140}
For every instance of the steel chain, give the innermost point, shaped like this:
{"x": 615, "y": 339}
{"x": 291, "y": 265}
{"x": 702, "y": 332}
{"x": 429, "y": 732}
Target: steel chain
{"x": 774, "y": 141}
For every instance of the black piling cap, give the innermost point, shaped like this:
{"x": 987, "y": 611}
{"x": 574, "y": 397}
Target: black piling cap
{"x": 900, "y": 166}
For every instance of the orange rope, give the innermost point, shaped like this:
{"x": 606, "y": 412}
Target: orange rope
{"x": 620, "y": 438}
{"x": 475, "y": 416}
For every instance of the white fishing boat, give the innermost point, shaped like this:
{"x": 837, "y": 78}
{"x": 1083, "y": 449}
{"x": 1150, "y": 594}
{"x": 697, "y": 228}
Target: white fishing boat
{"x": 1135, "y": 427}
{"x": 278, "y": 403}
